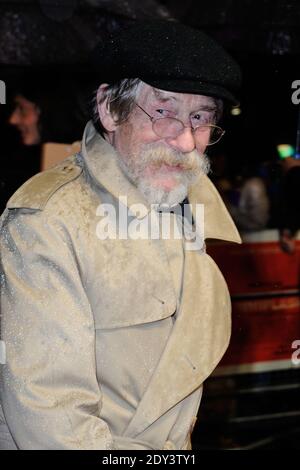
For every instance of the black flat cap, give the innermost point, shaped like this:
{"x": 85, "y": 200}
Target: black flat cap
{"x": 169, "y": 56}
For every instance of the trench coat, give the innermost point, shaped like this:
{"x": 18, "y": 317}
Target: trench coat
{"x": 99, "y": 348}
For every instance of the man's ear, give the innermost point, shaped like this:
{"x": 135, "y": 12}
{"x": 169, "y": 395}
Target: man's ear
{"x": 103, "y": 110}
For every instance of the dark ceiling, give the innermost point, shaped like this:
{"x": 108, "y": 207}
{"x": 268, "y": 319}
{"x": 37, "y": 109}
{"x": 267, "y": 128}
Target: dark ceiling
{"x": 261, "y": 26}
{"x": 48, "y": 32}
{"x": 35, "y": 32}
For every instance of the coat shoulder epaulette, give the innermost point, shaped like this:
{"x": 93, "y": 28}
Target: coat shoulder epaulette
{"x": 36, "y": 192}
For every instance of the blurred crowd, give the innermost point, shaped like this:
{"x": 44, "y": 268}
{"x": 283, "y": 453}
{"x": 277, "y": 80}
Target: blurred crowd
{"x": 260, "y": 196}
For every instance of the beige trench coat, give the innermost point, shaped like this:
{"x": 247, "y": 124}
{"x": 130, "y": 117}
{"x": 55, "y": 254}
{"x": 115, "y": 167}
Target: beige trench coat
{"x": 95, "y": 357}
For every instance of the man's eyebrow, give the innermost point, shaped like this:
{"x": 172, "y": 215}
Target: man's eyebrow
{"x": 162, "y": 97}
{"x": 207, "y": 108}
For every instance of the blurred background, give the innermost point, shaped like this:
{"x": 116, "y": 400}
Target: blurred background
{"x": 46, "y": 86}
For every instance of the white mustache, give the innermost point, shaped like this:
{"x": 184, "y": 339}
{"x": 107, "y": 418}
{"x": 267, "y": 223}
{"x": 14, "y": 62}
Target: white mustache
{"x": 158, "y": 155}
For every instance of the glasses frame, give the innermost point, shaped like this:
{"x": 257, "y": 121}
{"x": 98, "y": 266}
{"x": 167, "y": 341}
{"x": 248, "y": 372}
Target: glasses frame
{"x": 153, "y": 120}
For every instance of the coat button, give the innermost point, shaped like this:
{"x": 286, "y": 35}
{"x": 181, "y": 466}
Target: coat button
{"x": 169, "y": 445}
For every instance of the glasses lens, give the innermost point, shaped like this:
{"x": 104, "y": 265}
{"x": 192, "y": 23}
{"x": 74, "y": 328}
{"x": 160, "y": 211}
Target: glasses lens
{"x": 214, "y": 132}
{"x": 171, "y": 127}
{"x": 167, "y": 127}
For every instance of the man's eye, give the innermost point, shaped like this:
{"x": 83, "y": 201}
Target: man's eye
{"x": 201, "y": 118}
{"x": 163, "y": 112}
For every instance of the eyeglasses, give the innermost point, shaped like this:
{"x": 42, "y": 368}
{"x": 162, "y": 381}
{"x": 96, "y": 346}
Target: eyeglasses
{"x": 168, "y": 127}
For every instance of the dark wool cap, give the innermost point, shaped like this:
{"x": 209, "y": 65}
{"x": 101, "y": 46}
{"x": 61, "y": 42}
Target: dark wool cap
{"x": 170, "y": 56}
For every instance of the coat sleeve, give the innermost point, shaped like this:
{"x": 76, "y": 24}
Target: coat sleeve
{"x": 50, "y": 394}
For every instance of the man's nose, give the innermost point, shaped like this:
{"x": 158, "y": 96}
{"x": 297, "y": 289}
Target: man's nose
{"x": 184, "y": 142}
{"x": 14, "y": 118}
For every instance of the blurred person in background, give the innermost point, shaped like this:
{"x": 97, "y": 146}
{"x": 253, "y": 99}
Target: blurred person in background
{"x": 289, "y": 221}
{"x": 25, "y": 117}
{"x": 21, "y": 151}
{"x": 246, "y": 198}
{"x": 38, "y": 111}
{"x": 45, "y": 110}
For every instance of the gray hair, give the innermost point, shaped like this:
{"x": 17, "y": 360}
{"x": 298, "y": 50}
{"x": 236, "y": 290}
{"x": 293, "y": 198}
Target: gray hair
{"x": 121, "y": 97}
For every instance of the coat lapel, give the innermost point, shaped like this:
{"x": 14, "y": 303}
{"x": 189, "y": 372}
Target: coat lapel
{"x": 218, "y": 223}
{"x": 198, "y": 341}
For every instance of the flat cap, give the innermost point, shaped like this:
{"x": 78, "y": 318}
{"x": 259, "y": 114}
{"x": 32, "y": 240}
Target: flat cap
{"x": 169, "y": 56}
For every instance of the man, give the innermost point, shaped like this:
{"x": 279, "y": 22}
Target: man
{"x": 25, "y": 117}
{"x": 109, "y": 334}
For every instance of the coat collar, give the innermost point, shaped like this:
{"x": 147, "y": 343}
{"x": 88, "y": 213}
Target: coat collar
{"x": 101, "y": 161}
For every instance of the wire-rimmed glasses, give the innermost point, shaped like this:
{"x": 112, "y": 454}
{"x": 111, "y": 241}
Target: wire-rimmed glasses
{"x": 169, "y": 127}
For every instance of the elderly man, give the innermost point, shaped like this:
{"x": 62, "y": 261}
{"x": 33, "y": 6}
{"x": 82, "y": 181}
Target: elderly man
{"x": 106, "y": 340}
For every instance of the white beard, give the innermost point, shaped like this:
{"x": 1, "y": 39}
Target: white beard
{"x": 194, "y": 164}
{"x": 159, "y": 196}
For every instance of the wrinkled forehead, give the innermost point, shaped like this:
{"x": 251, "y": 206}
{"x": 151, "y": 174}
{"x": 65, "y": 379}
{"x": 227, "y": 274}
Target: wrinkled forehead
{"x": 149, "y": 94}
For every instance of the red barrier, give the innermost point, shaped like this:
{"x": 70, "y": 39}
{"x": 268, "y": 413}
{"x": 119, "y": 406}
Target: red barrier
{"x": 264, "y": 285}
